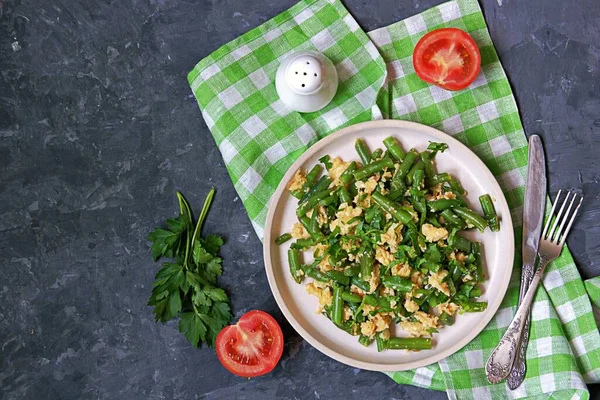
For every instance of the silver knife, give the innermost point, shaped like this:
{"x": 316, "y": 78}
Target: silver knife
{"x": 533, "y": 216}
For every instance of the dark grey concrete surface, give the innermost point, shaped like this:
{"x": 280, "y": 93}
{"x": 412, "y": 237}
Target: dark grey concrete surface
{"x": 98, "y": 128}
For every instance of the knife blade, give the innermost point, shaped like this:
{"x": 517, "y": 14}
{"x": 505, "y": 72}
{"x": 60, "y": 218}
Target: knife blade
{"x": 533, "y": 216}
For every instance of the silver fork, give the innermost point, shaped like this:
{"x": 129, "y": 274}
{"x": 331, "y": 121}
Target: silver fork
{"x": 502, "y": 358}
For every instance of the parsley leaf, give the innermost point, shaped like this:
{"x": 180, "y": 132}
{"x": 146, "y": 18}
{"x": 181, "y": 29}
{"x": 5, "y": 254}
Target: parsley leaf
{"x": 187, "y": 288}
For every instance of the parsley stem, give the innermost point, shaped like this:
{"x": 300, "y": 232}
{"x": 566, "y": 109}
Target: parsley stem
{"x": 203, "y": 213}
{"x": 184, "y": 207}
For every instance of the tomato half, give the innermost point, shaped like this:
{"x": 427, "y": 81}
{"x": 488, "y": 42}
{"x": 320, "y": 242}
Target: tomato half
{"x": 252, "y": 347}
{"x": 448, "y": 58}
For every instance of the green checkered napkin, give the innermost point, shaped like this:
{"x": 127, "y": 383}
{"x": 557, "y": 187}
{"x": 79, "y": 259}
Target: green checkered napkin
{"x": 260, "y": 138}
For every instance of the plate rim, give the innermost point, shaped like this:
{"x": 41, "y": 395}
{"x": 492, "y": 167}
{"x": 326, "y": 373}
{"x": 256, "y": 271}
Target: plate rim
{"x": 268, "y": 242}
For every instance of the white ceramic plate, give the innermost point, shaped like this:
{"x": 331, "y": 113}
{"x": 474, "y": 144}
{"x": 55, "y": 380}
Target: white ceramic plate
{"x": 299, "y": 307}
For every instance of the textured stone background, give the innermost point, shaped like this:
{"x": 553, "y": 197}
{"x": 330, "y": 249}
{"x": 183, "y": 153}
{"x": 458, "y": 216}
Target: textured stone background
{"x": 98, "y": 128}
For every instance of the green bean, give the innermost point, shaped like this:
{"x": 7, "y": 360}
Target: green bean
{"x": 417, "y": 343}
{"x": 418, "y": 179}
{"x": 338, "y": 277}
{"x": 351, "y": 297}
{"x": 452, "y": 219}
{"x": 397, "y": 283}
{"x": 443, "y": 204}
{"x": 372, "y": 213}
{"x": 475, "y": 292}
{"x": 476, "y": 249}
{"x": 337, "y": 313}
{"x": 393, "y": 147}
{"x": 352, "y": 271}
{"x": 373, "y": 168}
{"x": 407, "y": 163}
{"x": 410, "y": 176}
{"x": 316, "y": 275}
{"x": 297, "y": 194}
{"x": 313, "y": 231}
{"x": 381, "y": 343}
{"x": 471, "y": 217}
{"x": 363, "y": 151}
{"x": 376, "y": 154}
{"x": 359, "y": 283}
{"x": 321, "y": 185}
{"x": 365, "y": 340}
{"x": 344, "y": 195}
{"x": 313, "y": 175}
{"x": 392, "y": 208}
{"x": 437, "y": 179}
{"x": 446, "y": 319}
{"x": 489, "y": 212}
{"x": 366, "y": 265}
{"x": 312, "y": 201}
{"x": 294, "y": 262}
{"x": 302, "y": 244}
{"x": 457, "y": 187}
{"x": 427, "y": 157}
{"x": 329, "y": 200}
{"x": 473, "y": 306}
{"x": 348, "y": 175}
{"x": 460, "y": 243}
{"x": 283, "y": 238}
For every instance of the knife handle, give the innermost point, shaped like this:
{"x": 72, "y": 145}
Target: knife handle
{"x": 517, "y": 374}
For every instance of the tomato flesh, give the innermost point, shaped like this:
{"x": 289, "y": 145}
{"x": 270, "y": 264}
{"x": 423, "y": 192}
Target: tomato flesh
{"x": 252, "y": 347}
{"x": 447, "y": 57}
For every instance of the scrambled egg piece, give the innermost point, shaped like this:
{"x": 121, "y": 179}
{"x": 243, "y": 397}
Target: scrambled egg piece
{"x": 323, "y": 294}
{"x": 386, "y": 175}
{"x": 428, "y": 321}
{"x": 410, "y": 305}
{"x": 367, "y": 186}
{"x": 368, "y": 328}
{"x": 325, "y": 265}
{"x": 460, "y": 256}
{"x": 347, "y": 313}
{"x": 382, "y": 322}
{"x": 403, "y": 270}
{"x": 320, "y": 249}
{"x": 299, "y": 232}
{"x": 374, "y": 279}
{"x": 433, "y": 234}
{"x": 386, "y": 291}
{"x": 385, "y": 334}
{"x": 435, "y": 280}
{"x": 383, "y": 256}
{"x": 392, "y": 237}
{"x": 349, "y": 245}
{"x": 414, "y": 328}
{"x": 297, "y": 181}
{"x": 345, "y": 214}
{"x": 357, "y": 290}
{"x": 338, "y": 166}
{"x": 436, "y": 193}
{"x": 447, "y": 307}
{"x": 417, "y": 278}
{"x": 367, "y": 309}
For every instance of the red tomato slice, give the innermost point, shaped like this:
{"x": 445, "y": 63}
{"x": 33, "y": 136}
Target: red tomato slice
{"x": 252, "y": 347}
{"x": 448, "y": 58}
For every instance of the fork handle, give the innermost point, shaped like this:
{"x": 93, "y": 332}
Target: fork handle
{"x": 502, "y": 358}
{"x": 517, "y": 374}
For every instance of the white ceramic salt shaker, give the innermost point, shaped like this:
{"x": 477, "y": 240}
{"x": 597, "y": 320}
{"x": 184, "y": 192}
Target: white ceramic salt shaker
{"x": 306, "y": 81}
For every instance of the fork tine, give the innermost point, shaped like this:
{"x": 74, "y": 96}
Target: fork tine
{"x": 557, "y": 235}
{"x": 566, "y": 232}
{"x": 558, "y": 217}
{"x": 548, "y": 223}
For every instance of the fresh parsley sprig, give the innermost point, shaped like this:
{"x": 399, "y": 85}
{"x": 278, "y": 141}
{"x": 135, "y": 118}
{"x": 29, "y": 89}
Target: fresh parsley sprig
{"x": 187, "y": 286}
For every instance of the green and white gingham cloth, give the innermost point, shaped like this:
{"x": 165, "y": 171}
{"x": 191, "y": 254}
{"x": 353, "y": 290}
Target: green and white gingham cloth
{"x": 260, "y": 138}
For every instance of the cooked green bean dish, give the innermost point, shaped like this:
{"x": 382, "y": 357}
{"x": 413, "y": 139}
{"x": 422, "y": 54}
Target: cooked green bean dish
{"x": 384, "y": 234}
